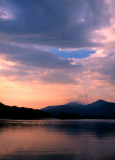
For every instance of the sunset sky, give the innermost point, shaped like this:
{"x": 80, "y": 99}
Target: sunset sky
{"x": 56, "y": 51}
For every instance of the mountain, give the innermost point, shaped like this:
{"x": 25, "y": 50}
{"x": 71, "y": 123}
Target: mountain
{"x": 98, "y": 103}
{"x": 73, "y": 110}
{"x": 98, "y": 109}
{"x": 67, "y": 108}
{"x": 14, "y": 112}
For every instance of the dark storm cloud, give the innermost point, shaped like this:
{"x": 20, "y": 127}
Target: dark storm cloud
{"x": 60, "y": 23}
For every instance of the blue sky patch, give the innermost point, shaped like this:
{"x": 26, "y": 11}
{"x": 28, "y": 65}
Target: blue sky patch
{"x": 80, "y": 54}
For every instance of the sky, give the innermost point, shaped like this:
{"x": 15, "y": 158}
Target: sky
{"x": 56, "y": 51}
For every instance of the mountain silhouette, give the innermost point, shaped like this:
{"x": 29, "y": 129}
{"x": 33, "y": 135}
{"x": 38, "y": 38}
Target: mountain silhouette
{"x": 14, "y": 112}
{"x": 73, "y": 110}
{"x": 98, "y": 109}
{"x": 98, "y": 102}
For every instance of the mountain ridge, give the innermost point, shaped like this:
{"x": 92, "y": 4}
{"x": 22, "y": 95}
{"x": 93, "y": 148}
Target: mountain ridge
{"x": 98, "y": 109}
{"x": 73, "y": 110}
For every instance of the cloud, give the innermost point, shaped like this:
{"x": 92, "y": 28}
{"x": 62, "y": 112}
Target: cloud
{"x": 59, "y": 78}
{"x": 107, "y": 69}
{"x": 8, "y": 11}
{"x": 99, "y": 69}
{"x": 34, "y": 57}
{"x": 26, "y": 63}
{"x": 56, "y": 23}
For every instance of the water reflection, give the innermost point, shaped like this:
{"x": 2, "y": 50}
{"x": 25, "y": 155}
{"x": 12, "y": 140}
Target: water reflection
{"x": 57, "y": 139}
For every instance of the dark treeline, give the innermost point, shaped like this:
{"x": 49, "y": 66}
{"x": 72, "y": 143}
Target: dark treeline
{"x": 14, "y": 112}
{"x": 64, "y": 115}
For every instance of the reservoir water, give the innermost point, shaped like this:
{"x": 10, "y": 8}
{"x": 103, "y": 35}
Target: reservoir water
{"x": 57, "y": 139}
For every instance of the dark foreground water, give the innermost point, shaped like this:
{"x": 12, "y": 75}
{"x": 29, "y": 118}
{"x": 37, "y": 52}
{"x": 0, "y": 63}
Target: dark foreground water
{"x": 57, "y": 140}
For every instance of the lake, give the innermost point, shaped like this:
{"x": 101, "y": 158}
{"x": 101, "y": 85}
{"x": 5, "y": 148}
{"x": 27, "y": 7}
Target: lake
{"x": 57, "y": 139}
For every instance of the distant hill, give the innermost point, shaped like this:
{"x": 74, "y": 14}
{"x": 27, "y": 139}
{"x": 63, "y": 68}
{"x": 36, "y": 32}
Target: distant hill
{"x": 14, "y": 112}
{"x": 98, "y": 109}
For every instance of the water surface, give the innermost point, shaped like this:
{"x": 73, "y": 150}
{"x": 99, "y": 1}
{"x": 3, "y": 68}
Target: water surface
{"x": 57, "y": 139}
